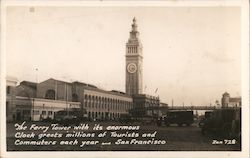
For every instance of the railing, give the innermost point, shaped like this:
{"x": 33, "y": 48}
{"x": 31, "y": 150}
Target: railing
{"x": 184, "y": 108}
{"x": 193, "y": 107}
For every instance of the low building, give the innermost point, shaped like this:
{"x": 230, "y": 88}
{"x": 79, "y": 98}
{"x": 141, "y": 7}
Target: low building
{"x": 37, "y": 109}
{"x": 99, "y": 104}
{"x": 11, "y": 83}
{"x": 102, "y": 104}
{"x": 38, "y": 101}
{"x": 163, "y": 109}
{"x": 227, "y": 101}
{"x": 26, "y": 89}
{"x": 145, "y": 105}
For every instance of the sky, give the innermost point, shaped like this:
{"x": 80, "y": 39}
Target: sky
{"x": 191, "y": 54}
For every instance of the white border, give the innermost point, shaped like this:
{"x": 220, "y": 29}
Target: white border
{"x": 244, "y": 4}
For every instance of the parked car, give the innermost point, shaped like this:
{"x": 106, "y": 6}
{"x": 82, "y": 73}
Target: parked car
{"x": 126, "y": 118}
{"x": 225, "y": 122}
{"x": 206, "y": 116}
{"x": 70, "y": 116}
{"x": 178, "y": 117}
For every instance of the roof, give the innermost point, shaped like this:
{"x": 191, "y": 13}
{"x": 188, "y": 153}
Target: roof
{"x": 238, "y": 99}
{"x": 81, "y": 83}
{"x": 56, "y": 80}
{"x": 95, "y": 88}
{"x": 163, "y": 104}
{"x": 114, "y": 92}
{"x": 85, "y": 86}
{"x": 225, "y": 94}
{"x": 145, "y": 96}
{"x": 29, "y": 84}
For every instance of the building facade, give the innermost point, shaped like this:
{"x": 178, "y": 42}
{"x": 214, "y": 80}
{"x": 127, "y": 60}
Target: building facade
{"x": 146, "y": 105}
{"x": 134, "y": 62}
{"x": 42, "y": 100}
{"x": 26, "y": 89}
{"x": 38, "y": 101}
{"x": 227, "y": 101}
{"x": 103, "y": 105}
{"x": 37, "y": 109}
{"x": 11, "y": 83}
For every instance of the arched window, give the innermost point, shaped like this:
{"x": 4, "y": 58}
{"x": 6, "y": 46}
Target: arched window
{"x": 50, "y": 94}
{"x": 74, "y": 97}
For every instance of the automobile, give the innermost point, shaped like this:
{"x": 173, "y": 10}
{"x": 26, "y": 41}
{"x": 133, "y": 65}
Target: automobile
{"x": 225, "y": 122}
{"x": 206, "y": 116}
{"x": 126, "y": 118}
{"x": 145, "y": 120}
{"x": 179, "y": 117}
{"x": 70, "y": 116}
{"x": 160, "y": 120}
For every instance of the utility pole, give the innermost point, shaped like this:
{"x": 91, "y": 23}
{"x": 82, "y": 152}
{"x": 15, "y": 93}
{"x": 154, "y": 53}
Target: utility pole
{"x": 36, "y": 75}
{"x": 33, "y": 99}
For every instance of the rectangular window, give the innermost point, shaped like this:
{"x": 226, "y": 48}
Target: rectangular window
{"x": 8, "y": 90}
{"x": 49, "y": 112}
{"x": 36, "y": 112}
{"x": 43, "y": 112}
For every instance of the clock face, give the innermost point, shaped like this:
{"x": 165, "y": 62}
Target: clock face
{"x": 131, "y": 68}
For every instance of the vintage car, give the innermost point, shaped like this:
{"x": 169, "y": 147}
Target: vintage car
{"x": 205, "y": 117}
{"x": 224, "y": 122}
{"x": 70, "y": 116}
{"x": 179, "y": 117}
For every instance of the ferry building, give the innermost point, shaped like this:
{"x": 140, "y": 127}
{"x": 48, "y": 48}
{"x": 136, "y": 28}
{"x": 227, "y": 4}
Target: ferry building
{"x": 38, "y": 101}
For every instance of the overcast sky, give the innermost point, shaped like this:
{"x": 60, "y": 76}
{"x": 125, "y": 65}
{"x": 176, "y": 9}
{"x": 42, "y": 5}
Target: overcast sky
{"x": 191, "y": 54}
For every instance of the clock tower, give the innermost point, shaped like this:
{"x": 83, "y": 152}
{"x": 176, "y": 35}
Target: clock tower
{"x": 134, "y": 62}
